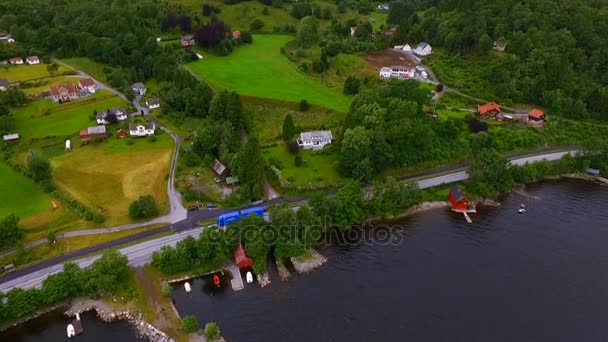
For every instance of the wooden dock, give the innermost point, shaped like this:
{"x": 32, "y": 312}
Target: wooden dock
{"x": 237, "y": 280}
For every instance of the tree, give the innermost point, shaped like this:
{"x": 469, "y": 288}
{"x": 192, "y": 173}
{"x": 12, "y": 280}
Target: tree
{"x": 52, "y": 69}
{"x": 308, "y": 32}
{"x": 289, "y": 129}
{"x": 246, "y": 37}
{"x": 485, "y": 43}
{"x": 190, "y": 324}
{"x": 10, "y": 233}
{"x": 212, "y": 331}
{"x": 489, "y": 171}
{"x": 348, "y": 208}
{"x": 351, "y": 85}
{"x": 391, "y": 196}
{"x": 143, "y": 207}
{"x": 256, "y": 25}
{"x": 355, "y": 156}
{"x": 39, "y": 168}
{"x": 304, "y": 105}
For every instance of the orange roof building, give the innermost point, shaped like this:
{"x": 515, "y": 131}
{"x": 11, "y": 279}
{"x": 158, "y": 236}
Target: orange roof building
{"x": 489, "y": 109}
{"x": 536, "y": 114}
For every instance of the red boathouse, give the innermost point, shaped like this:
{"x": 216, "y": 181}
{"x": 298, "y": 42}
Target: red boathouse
{"x": 241, "y": 259}
{"x": 459, "y": 202}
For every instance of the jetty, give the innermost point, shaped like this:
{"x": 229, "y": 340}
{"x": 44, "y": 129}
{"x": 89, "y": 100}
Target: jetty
{"x": 237, "y": 280}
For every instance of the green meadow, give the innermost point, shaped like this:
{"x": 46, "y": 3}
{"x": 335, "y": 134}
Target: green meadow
{"x": 19, "y": 195}
{"x": 261, "y": 70}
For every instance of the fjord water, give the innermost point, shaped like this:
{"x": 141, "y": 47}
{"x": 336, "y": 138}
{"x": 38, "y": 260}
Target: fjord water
{"x": 540, "y": 276}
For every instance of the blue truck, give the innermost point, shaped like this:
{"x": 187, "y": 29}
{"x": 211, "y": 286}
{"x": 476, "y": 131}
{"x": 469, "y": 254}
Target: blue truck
{"x": 234, "y": 216}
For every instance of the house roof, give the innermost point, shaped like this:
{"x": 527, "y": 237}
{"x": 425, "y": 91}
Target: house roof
{"x": 96, "y": 130}
{"x": 32, "y": 58}
{"x": 400, "y": 67}
{"x": 153, "y": 102}
{"x": 536, "y": 114}
{"x": 488, "y": 107}
{"x": 63, "y": 88}
{"x": 9, "y": 137}
{"x": 316, "y": 136}
{"x": 138, "y": 86}
{"x": 232, "y": 180}
{"x": 188, "y": 37}
{"x": 457, "y": 193}
{"x": 146, "y": 125}
{"x": 15, "y": 59}
{"x": 117, "y": 110}
{"x": 87, "y": 82}
{"x": 4, "y": 82}
{"x": 422, "y": 45}
{"x": 218, "y": 167}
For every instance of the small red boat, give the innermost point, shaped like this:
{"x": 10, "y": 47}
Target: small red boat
{"x": 216, "y": 280}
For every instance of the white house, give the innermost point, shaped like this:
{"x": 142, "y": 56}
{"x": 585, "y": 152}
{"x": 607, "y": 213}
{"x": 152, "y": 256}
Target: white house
{"x": 383, "y": 7}
{"x": 139, "y": 89}
{"x": 141, "y": 129}
{"x": 120, "y": 113}
{"x": 4, "y": 84}
{"x": 315, "y": 140}
{"x": 153, "y": 103}
{"x": 32, "y": 60}
{"x": 423, "y": 49}
{"x": 406, "y": 48}
{"x": 385, "y": 72}
{"x": 87, "y": 84}
{"x": 400, "y": 71}
{"x": 11, "y": 137}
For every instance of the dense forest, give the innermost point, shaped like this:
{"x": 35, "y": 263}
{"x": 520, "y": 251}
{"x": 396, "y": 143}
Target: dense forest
{"x": 556, "y": 51}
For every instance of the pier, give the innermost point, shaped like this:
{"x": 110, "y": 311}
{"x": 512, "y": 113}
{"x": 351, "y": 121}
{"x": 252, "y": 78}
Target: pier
{"x": 237, "y": 280}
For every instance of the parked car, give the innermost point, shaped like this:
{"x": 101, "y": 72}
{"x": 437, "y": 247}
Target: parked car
{"x": 425, "y": 75}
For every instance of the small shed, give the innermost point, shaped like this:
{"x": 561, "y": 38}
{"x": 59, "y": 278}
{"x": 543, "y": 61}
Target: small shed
{"x": 232, "y": 180}
{"x": 241, "y": 259}
{"x": 122, "y": 133}
{"x": 593, "y": 172}
{"x": 219, "y": 169}
{"x": 457, "y": 199}
{"x": 11, "y": 137}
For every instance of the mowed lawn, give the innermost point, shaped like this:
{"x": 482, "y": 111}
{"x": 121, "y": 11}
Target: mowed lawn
{"x": 19, "y": 195}
{"x": 316, "y": 166}
{"x": 44, "y": 118}
{"x": 89, "y": 66}
{"x": 261, "y": 70}
{"x": 19, "y": 73}
{"x": 110, "y": 175}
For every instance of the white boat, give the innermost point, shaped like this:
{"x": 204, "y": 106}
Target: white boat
{"x": 521, "y": 210}
{"x": 70, "y": 330}
{"x": 249, "y": 278}
{"x": 187, "y": 287}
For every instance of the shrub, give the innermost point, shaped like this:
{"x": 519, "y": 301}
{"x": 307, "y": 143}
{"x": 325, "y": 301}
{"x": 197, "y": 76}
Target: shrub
{"x": 143, "y": 207}
{"x": 166, "y": 290}
{"x": 265, "y": 11}
{"x": 351, "y": 85}
{"x": 304, "y": 105}
{"x": 256, "y": 25}
{"x": 293, "y": 147}
{"x": 298, "y": 160}
{"x": 212, "y": 331}
{"x": 152, "y": 138}
{"x": 274, "y": 161}
{"x": 190, "y": 324}
{"x": 130, "y": 141}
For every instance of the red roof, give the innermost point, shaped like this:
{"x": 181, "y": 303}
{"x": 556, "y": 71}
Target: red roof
{"x": 536, "y": 114}
{"x": 241, "y": 259}
{"x": 67, "y": 87}
{"x": 16, "y": 59}
{"x": 87, "y": 82}
{"x": 84, "y": 132}
{"x": 488, "y": 108}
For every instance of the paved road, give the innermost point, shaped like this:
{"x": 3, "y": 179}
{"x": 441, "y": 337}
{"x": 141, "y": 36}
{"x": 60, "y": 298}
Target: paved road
{"x": 140, "y": 254}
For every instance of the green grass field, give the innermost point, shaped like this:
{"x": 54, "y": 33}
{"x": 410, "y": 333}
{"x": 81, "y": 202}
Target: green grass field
{"x": 20, "y": 73}
{"x": 19, "y": 195}
{"x": 44, "y": 118}
{"x": 260, "y": 70}
{"x": 317, "y": 166}
{"x": 89, "y": 66}
{"x": 40, "y": 86}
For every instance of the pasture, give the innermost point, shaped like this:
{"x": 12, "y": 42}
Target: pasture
{"x": 44, "y": 118}
{"x": 261, "y": 70}
{"x": 19, "y": 195}
{"x": 89, "y": 66}
{"x": 25, "y": 72}
{"x": 316, "y": 166}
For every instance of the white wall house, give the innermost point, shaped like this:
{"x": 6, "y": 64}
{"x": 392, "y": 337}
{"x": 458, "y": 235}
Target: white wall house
{"x": 139, "y": 89}
{"x": 32, "y": 60}
{"x": 102, "y": 117}
{"x": 385, "y": 72}
{"x": 153, "y": 103}
{"x": 423, "y": 49}
{"x": 315, "y": 140}
{"x": 141, "y": 129}
{"x": 397, "y": 71}
{"x": 406, "y": 48}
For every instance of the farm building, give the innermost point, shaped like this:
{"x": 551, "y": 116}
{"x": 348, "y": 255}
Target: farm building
{"x": 122, "y": 133}
{"x": 16, "y": 60}
{"x": 219, "y": 169}
{"x": 406, "y": 48}
{"x": 489, "y": 109}
{"x": 32, "y": 60}
{"x": 88, "y": 84}
{"x": 153, "y": 103}
{"x": 385, "y": 72}
{"x": 95, "y": 132}
{"x": 187, "y": 41}
{"x": 457, "y": 199}
{"x": 241, "y": 259}
{"x": 64, "y": 92}
{"x": 142, "y": 129}
{"x": 397, "y": 71}
{"x": 11, "y": 137}
{"x": 536, "y": 117}
{"x": 139, "y": 89}
{"x": 423, "y": 49}
{"x": 113, "y": 115}
{"x": 315, "y": 140}
{"x": 4, "y": 84}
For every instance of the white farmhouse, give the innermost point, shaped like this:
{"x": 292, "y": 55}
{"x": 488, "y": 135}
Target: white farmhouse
{"x": 315, "y": 140}
{"x": 423, "y": 49}
{"x": 406, "y": 48}
{"x": 31, "y": 60}
{"x": 141, "y": 129}
{"x": 103, "y": 117}
{"x": 153, "y": 103}
{"x": 385, "y": 72}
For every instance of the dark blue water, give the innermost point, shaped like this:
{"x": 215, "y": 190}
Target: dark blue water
{"x": 540, "y": 276}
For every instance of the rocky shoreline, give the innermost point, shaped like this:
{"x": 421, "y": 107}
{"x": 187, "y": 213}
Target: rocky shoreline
{"x": 283, "y": 271}
{"x": 307, "y": 264}
{"x": 107, "y": 314}
{"x": 263, "y": 279}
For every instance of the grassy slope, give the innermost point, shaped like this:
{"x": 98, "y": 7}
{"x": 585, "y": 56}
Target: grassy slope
{"x": 19, "y": 73}
{"x": 110, "y": 175}
{"x": 89, "y": 66}
{"x": 260, "y": 70}
{"x": 20, "y": 195}
{"x": 31, "y": 121}
{"x": 316, "y": 166}
{"x": 44, "y": 85}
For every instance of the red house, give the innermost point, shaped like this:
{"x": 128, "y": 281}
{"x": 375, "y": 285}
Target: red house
{"x": 489, "y": 109}
{"x": 536, "y": 117}
{"x": 459, "y": 202}
{"x": 241, "y": 259}
{"x": 95, "y": 132}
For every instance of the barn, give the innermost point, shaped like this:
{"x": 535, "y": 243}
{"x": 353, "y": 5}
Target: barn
{"x": 457, "y": 199}
{"x": 241, "y": 259}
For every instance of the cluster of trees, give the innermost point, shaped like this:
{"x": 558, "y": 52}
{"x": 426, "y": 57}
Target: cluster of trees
{"x": 143, "y": 207}
{"x": 172, "y": 20}
{"x": 12, "y": 98}
{"x": 303, "y": 9}
{"x": 39, "y": 169}
{"x": 555, "y": 56}
{"x": 105, "y": 276}
{"x": 10, "y": 233}
{"x": 386, "y": 128}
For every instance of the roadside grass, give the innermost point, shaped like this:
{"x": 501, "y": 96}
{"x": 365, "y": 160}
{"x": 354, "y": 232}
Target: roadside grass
{"x": 200, "y": 179}
{"x": 44, "y": 118}
{"x": 378, "y": 18}
{"x": 67, "y": 245}
{"x": 25, "y": 72}
{"x": 182, "y": 125}
{"x": 317, "y": 166}
{"x": 89, "y": 66}
{"x": 40, "y": 86}
{"x": 19, "y": 195}
{"x": 110, "y": 175}
{"x": 268, "y": 117}
{"x": 261, "y": 70}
